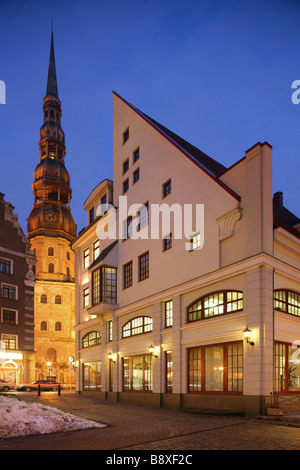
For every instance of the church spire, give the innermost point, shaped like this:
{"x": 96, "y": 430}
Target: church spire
{"x": 52, "y": 89}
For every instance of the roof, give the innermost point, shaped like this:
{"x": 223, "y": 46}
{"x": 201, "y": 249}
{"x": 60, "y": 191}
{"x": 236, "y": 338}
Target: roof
{"x": 103, "y": 254}
{"x": 52, "y": 89}
{"x": 210, "y": 166}
{"x": 282, "y": 217}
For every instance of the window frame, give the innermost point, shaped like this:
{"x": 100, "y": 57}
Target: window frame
{"x": 144, "y": 389}
{"x": 168, "y": 317}
{"x": 91, "y": 341}
{"x": 11, "y": 338}
{"x": 225, "y": 379}
{"x": 143, "y": 326}
{"x": 4, "y": 262}
{"x": 201, "y": 300}
{"x": 135, "y": 155}
{"x": 125, "y": 136}
{"x": 125, "y": 186}
{"x": 127, "y": 278}
{"x": 4, "y": 286}
{"x": 96, "y": 249}
{"x": 144, "y": 269}
{"x": 86, "y": 297}
{"x": 86, "y": 258}
{"x": 125, "y": 166}
{"x": 167, "y": 242}
{"x": 286, "y": 302}
{"x": 14, "y": 311}
{"x": 136, "y": 176}
{"x": 167, "y": 188}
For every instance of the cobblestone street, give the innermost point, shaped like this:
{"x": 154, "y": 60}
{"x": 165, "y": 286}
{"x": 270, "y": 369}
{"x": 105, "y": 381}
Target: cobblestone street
{"x": 131, "y": 427}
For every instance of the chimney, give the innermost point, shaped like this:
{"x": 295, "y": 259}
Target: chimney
{"x": 278, "y": 199}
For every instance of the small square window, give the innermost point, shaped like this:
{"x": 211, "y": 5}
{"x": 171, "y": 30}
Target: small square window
{"x": 136, "y": 155}
{"x": 166, "y": 188}
{"x": 125, "y": 166}
{"x": 125, "y": 136}
{"x": 125, "y": 186}
{"x": 136, "y": 175}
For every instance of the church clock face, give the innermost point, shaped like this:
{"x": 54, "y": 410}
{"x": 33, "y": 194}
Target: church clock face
{"x": 50, "y": 217}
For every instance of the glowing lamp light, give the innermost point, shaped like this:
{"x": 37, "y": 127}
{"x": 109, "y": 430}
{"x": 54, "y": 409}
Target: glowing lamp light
{"x": 152, "y": 351}
{"x": 247, "y": 332}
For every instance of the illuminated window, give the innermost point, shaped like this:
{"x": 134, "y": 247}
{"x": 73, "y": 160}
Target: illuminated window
{"x": 216, "y": 368}
{"x": 137, "y": 373}
{"x": 86, "y": 258}
{"x": 96, "y": 249}
{"x": 168, "y": 313}
{"x": 196, "y": 242}
{"x": 91, "y": 339}
{"x": 217, "y": 303}
{"x": 169, "y": 371}
{"x": 92, "y": 376}
{"x": 104, "y": 281}
{"x": 86, "y": 297}
{"x": 9, "y": 341}
{"x": 286, "y": 368}
{"x": 287, "y": 301}
{"x": 137, "y": 326}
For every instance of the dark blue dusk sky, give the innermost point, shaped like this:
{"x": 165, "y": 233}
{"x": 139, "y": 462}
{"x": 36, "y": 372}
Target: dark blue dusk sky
{"x": 218, "y": 73}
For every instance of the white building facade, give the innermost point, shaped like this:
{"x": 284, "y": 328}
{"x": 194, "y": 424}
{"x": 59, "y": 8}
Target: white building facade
{"x": 163, "y": 310}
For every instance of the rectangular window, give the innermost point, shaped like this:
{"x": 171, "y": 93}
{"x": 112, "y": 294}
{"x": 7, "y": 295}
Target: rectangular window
{"x": 96, "y": 286}
{"x": 127, "y": 228}
{"x": 96, "y": 249}
{"x": 5, "y": 266}
{"x": 86, "y": 258}
{"x": 166, "y": 189}
{"x": 286, "y": 368}
{"x": 108, "y": 285}
{"x": 168, "y": 313}
{"x": 217, "y": 368}
{"x": 92, "y": 215}
{"x": 196, "y": 241}
{"x": 136, "y": 155}
{"x": 86, "y": 297}
{"x": 109, "y": 331}
{"x": 144, "y": 266}
{"x": 125, "y": 186}
{"x": 167, "y": 242}
{"x": 92, "y": 376}
{"x": 9, "y": 341}
{"x": 125, "y": 135}
{"x": 137, "y": 373}
{"x": 136, "y": 176}
{"x": 9, "y": 317}
{"x": 127, "y": 275}
{"x": 169, "y": 372}
{"x": 143, "y": 215}
{"x": 104, "y": 200}
{"x": 9, "y": 292}
{"x": 125, "y": 166}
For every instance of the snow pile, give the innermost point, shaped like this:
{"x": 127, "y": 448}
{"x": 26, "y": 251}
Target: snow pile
{"x": 18, "y": 418}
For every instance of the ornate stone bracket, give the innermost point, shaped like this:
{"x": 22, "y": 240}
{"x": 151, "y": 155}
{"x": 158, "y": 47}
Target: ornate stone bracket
{"x": 227, "y": 222}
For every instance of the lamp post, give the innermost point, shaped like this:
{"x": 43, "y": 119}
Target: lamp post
{"x": 49, "y": 369}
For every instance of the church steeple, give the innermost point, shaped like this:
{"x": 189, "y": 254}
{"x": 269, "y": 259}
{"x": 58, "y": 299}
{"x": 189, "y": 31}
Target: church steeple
{"x": 52, "y": 89}
{"x": 51, "y": 214}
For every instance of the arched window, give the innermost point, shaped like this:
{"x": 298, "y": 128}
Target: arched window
{"x": 43, "y": 299}
{"x": 68, "y": 255}
{"x": 50, "y": 251}
{"x": 58, "y": 299}
{"x": 137, "y": 326}
{"x": 44, "y": 326}
{"x": 287, "y": 301}
{"x": 58, "y": 326}
{"x": 91, "y": 339}
{"x": 51, "y": 268}
{"x": 214, "y": 304}
{"x": 68, "y": 271}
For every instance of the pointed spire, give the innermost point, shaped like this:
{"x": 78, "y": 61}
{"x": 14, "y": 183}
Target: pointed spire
{"x": 52, "y": 80}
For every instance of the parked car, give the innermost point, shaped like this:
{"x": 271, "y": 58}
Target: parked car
{"x": 46, "y": 385}
{"x": 6, "y": 386}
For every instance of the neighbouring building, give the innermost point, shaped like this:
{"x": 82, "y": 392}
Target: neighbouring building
{"x": 17, "y": 279}
{"x": 51, "y": 229}
{"x": 206, "y": 319}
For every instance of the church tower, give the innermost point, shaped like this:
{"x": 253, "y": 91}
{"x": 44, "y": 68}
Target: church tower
{"x": 51, "y": 229}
